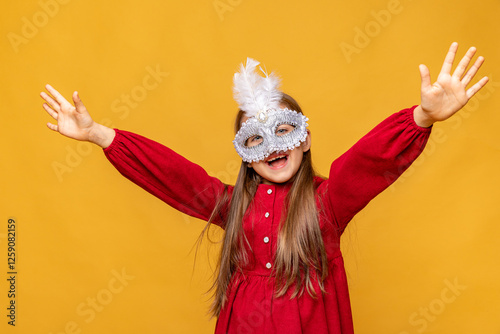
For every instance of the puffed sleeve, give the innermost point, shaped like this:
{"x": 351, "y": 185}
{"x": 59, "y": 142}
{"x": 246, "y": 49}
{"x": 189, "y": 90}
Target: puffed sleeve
{"x": 373, "y": 164}
{"x": 167, "y": 175}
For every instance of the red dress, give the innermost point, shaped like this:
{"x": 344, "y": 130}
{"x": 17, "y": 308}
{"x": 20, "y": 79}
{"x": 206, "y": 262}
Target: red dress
{"x": 355, "y": 178}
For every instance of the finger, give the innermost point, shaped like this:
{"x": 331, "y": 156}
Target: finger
{"x": 450, "y": 57}
{"x": 464, "y": 63}
{"x": 59, "y": 98}
{"x": 474, "y": 89}
{"x": 54, "y": 104}
{"x": 50, "y": 111}
{"x": 52, "y": 126}
{"x": 472, "y": 71}
{"x": 425, "y": 77}
{"x": 78, "y": 102}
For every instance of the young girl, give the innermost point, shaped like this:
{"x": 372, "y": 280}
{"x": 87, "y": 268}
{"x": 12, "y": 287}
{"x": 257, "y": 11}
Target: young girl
{"x": 280, "y": 268}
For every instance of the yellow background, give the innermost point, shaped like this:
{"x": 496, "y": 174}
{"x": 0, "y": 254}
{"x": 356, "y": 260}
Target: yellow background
{"x": 78, "y": 227}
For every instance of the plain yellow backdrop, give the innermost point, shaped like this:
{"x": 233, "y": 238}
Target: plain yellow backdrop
{"x": 97, "y": 254}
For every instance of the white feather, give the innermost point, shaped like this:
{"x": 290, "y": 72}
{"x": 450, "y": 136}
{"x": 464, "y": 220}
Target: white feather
{"x": 272, "y": 93}
{"x": 253, "y": 92}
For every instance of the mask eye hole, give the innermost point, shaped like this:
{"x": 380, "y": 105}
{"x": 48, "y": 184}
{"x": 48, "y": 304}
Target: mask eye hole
{"x": 283, "y": 129}
{"x": 254, "y": 141}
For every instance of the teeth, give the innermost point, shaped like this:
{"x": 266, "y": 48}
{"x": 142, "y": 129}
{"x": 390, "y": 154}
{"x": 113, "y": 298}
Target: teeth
{"x": 275, "y": 158}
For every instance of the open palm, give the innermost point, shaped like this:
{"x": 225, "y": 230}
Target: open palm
{"x": 72, "y": 121}
{"x": 448, "y": 94}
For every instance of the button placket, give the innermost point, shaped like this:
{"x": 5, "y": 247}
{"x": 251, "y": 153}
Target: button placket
{"x": 267, "y": 214}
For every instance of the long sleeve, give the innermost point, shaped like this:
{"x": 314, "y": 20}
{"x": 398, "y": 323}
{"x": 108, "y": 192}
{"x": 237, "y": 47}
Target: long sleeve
{"x": 373, "y": 164}
{"x": 167, "y": 175}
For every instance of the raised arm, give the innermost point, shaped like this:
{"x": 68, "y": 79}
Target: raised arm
{"x": 373, "y": 164}
{"x": 381, "y": 156}
{"x": 74, "y": 121}
{"x": 167, "y": 175}
{"x": 154, "y": 167}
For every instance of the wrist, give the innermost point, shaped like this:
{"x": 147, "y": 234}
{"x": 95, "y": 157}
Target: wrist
{"x": 101, "y": 135}
{"x": 421, "y": 118}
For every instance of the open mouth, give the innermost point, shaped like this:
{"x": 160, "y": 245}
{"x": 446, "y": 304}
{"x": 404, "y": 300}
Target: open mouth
{"x": 276, "y": 161}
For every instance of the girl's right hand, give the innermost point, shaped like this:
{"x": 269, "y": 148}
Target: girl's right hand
{"x": 74, "y": 121}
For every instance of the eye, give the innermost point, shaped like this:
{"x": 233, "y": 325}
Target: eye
{"x": 283, "y": 129}
{"x": 256, "y": 138}
{"x": 254, "y": 141}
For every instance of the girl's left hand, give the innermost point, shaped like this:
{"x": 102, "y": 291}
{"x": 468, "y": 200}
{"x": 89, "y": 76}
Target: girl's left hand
{"x": 448, "y": 94}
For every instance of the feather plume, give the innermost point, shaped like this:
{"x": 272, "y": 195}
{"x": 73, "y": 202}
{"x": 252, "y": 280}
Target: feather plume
{"x": 253, "y": 92}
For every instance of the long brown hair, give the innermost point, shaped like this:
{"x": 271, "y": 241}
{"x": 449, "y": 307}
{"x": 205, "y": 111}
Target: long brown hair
{"x": 300, "y": 246}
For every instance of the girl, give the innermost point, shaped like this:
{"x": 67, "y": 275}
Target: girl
{"x": 280, "y": 268}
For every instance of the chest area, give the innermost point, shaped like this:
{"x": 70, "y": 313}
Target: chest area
{"x": 262, "y": 219}
{"x": 265, "y": 216}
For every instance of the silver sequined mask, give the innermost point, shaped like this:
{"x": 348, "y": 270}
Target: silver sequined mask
{"x": 265, "y": 124}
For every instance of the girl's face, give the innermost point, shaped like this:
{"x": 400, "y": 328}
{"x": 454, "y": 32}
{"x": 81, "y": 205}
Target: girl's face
{"x": 281, "y": 166}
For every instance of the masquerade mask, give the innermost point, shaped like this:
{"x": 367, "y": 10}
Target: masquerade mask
{"x": 261, "y": 134}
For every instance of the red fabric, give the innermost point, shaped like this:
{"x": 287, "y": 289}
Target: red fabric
{"x": 355, "y": 178}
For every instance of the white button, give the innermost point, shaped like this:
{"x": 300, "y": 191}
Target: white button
{"x": 269, "y": 191}
{"x": 268, "y": 265}
{"x": 266, "y": 240}
{"x": 267, "y": 214}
